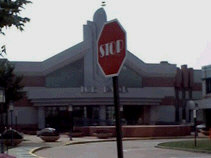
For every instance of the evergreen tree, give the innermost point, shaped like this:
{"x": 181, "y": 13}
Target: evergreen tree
{"x": 10, "y": 16}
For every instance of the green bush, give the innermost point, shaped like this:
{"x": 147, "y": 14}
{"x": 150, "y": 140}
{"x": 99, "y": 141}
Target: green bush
{"x": 11, "y": 134}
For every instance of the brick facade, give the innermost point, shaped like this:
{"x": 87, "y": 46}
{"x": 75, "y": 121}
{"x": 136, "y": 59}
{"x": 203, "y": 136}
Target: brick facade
{"x": 33, "y": 81}
{"x": 157, "y": 82}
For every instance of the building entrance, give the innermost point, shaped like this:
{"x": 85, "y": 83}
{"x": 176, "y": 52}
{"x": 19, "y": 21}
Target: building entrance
{"x": 133, "y": 115}
{"x": 58, "y": 118}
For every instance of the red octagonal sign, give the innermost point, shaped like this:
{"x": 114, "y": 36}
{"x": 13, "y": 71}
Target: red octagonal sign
{"x": 111, "y": 48}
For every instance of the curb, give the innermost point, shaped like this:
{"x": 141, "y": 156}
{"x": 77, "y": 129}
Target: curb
{"x": 89, "y": 141}
{"x": 124, "y": 139}
{"x": 32, "y": 151}
{"x": 182, "y": 149}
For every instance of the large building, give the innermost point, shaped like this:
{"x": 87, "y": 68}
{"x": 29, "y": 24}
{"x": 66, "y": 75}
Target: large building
{"x": 149, "y": 93}
{"x": 204, "y": 104}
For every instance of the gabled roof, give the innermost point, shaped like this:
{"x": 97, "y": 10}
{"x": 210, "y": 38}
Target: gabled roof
{"x": 78, "y": 51}
{"x": 53, "y": 63}
{"x": 161, "y": 69}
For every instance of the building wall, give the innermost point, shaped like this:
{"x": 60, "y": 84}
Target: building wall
{"x": 68, "y": 76}
{"x": 197, "y": 76}
{"x": 77, "y": 66}
{"x": 25, "y": 115}
{"x": 204, "y": 88}
{"x": 205, "y": 104}
{"x": 129, "y": 78}
{"x": 197, "y": 95}
{"x": 162, "y": 114}
{"x": 33, "y": 81}
{"x": 158, "y": 81}
{"x": 206, "y": 73}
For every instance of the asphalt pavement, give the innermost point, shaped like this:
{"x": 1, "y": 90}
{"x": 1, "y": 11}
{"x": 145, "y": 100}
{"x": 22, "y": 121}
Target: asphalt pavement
{"x": 91, "y": 147}
{"x": 132, "y": 149}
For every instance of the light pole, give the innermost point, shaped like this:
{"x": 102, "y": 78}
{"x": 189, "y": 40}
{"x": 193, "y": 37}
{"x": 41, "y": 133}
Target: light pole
{"x": 16, "y": 120}
{"x": 11, "y": 109}
{"x": 195, "y": 106}
{"x": 2, "y": 100}
{"x": 70, "y": 110}
{"x": 121, "y": 114}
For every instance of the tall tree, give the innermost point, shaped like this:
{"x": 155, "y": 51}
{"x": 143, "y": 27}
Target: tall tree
{"x": 10, "y": 16}
{"x": 11, "y": 83}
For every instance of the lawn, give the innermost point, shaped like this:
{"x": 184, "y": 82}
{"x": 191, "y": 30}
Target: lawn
{"x": 203, "y": 145}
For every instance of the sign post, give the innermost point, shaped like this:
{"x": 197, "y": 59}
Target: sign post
{"x": 117, "y": 117}
{"x": 111, "y": 54}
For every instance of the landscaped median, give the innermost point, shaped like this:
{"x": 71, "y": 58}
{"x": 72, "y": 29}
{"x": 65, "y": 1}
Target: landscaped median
{"x": 203, "y": 145}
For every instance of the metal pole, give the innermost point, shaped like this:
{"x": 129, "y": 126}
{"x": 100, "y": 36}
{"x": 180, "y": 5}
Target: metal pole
{"x": 2, "y": 145}
{"x": 11, "y": 128}
{"x": 117, "y": 116}
{"x": 71, "y": 125}
{"x": 11, "y": 118}
{"x": 70, "y": 110}
{"x": 195, "y": 135}
{"x": 16, "y": 122}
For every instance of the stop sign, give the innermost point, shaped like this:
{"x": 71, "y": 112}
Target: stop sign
{"x": 111, "y": 48}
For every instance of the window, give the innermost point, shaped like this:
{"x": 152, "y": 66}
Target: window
{"x": 208, "y": 85}
{"x": 110, "y": 113}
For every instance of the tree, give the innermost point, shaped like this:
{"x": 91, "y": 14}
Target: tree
{"x": 10, "y": 16}
{"x": 11, "y": 83}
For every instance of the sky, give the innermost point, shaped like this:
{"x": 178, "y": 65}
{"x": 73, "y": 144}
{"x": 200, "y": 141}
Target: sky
{"x": 177, "y": 31}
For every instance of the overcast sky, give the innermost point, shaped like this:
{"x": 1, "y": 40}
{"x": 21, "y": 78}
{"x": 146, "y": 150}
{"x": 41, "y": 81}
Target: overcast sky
{"x": 177, "y": 31}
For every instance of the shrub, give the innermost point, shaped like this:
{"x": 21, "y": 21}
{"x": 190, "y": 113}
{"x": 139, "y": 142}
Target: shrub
{"x": 11, "y": 134}
{"x": 48, "y": 132}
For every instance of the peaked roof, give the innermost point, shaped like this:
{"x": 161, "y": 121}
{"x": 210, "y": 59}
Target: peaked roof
{"x": 79, "y": 51}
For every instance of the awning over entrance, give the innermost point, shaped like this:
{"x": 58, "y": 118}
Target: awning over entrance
{"x": 42, "y": 96}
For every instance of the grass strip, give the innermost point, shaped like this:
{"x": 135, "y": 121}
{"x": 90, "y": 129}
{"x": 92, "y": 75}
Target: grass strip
{"x": 188, "y": 145}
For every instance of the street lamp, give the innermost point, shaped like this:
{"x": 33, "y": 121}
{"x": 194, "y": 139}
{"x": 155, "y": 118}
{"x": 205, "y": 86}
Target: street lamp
{"x": 16, "y": 120}
{"x": 70, "y": 110}
{"x": 2, "y": 100}
{"x": 11, "y": 109}
{"x": 121, "y": 114}
{"x": 195, "y": 108}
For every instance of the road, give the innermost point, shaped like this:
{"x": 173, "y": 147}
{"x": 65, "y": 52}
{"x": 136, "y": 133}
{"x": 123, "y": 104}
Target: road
{"x": 132, "y": 149}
